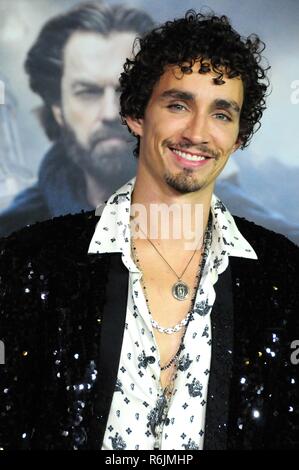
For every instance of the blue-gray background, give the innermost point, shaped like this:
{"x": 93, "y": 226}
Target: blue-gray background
{"x": 268, "y": 170}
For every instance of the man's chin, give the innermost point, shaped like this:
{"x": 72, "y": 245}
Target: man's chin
{"x": 183, "y": 183}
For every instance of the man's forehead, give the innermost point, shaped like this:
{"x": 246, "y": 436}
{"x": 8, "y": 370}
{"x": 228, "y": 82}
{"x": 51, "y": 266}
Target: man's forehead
{"x": 194, "y": 82}
{"x": 198, "y": 66}
{"x": 89, "y": 54}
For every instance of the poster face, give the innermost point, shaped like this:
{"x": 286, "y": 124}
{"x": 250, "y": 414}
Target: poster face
{"x": 40, "y": 179}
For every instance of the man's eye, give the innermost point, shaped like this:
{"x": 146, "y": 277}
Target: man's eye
{"x": 88, "y": 93}
{"x": 177, "y": 107}
{"x": 222, "y": 117}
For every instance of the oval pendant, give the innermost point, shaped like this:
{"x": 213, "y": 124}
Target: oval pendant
{"x": 180, "y": 290}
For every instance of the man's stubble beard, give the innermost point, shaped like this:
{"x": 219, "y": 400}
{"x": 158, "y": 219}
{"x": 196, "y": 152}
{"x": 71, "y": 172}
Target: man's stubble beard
{"x": 109, "y": 167}
{"x": 186, "y": 181}
{"x": 183, "y": 182}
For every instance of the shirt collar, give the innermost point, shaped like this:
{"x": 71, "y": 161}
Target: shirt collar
{"x": 112, "y": 233}
{"x": 227, "y": 233}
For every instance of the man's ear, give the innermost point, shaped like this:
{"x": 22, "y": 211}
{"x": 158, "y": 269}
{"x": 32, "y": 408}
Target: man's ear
{"x": 237, "y": 144}
{"x": 135, "y": 125}
{"x": 57, "y": 114}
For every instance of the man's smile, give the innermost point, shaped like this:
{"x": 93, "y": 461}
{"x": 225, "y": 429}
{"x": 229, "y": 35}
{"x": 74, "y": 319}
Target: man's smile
{"x": 189, "y": 159}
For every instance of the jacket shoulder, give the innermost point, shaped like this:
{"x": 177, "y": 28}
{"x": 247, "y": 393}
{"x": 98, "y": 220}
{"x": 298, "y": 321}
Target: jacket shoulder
{"x": 50, "y": 301}
{"x": 268, "y": 245}
{"x": 271, "y": 281}
{"x": 68, "y": 233}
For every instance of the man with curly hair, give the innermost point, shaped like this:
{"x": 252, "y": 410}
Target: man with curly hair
{"x": 123, "y": 336}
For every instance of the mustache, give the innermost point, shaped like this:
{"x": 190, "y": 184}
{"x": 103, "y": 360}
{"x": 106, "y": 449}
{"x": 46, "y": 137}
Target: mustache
{"x": 109, "y": 131}
{"x": 199, "y": 147}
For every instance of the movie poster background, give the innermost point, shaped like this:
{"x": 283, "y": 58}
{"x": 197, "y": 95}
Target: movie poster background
{"x": 266, "y": 173}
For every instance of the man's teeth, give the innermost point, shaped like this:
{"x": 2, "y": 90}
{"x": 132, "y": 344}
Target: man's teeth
{"x": 188, "y": 156}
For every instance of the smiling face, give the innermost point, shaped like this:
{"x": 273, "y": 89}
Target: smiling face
{"x": 190, "y": 128}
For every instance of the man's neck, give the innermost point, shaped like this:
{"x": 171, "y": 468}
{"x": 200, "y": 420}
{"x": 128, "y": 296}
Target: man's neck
{"x": 193, "y": 208}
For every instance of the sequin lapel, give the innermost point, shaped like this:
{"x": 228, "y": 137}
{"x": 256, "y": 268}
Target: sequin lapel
{"x": 221, "y": 365}
{"x": 113, "y": 325}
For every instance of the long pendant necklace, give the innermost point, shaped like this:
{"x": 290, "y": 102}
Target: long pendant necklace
{"x": 184, "y": 322}
{"x": 180, "y": 289}
{"x": 168, "y": 330}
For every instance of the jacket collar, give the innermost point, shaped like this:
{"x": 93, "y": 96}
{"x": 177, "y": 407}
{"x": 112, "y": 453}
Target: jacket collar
{"x": 112, "y": 330}
{"x": 222, "y": 321}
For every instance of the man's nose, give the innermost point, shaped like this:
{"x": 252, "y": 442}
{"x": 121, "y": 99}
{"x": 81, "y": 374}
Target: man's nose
{"x": 110, "y": 104}
{"x": 197, "y": 129}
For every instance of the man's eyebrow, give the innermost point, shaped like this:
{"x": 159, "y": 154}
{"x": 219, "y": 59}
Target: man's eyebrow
{"x": 86, "y": 84}
{"x": 188, "y": 96}
{"x": 177, "y": 94}
{"x": 230, "y": 105}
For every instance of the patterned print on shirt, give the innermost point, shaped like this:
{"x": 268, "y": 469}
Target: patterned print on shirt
{"x": 184, "y": 362}
{"x": 144, "y": 360}
{"x": 194, "y": 388}
{"x": 118, "y": 386}
{"x": 191, "y": 445}
{"x": 117, "y": 442}
{"x": 202, "y": 308}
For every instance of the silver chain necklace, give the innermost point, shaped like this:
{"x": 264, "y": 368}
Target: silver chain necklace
{"x": 182, "y": 323}
{"x": 180, "y": 290}
{"x": 168, "y": 330}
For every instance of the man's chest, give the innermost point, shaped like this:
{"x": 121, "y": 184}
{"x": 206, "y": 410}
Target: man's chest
{"x": 158, "y": 283}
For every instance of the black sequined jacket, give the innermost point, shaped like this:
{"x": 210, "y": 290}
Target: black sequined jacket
{"x": 62, "y": 314}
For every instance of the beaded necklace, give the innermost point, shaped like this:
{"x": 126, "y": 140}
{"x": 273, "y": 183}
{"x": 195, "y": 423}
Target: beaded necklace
{"x": 184, "y": 322}
{"x": 163, "y": 403}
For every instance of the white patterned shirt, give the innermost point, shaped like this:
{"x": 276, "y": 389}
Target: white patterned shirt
{"x": 135, "y": 403}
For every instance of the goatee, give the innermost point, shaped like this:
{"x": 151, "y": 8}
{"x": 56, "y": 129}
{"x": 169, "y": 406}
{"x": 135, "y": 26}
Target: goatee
{"x": 183, "y": 182}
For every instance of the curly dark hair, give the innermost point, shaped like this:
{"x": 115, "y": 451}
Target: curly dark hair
{"x": 44, "y": 61}
{"x": 213, "y": 41}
